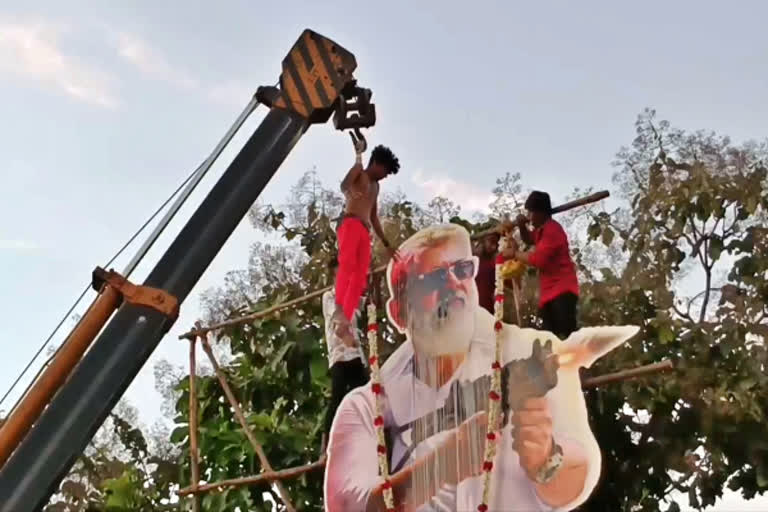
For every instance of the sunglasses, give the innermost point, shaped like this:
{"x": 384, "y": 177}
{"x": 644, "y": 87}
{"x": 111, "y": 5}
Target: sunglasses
{"x": 438, "y": 278}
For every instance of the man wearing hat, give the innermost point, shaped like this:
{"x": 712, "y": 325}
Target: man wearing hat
{"x": 558, "y": 284}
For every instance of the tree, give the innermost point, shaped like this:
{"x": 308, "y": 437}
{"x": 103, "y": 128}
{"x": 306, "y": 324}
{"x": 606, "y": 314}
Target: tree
{"x": 695, "y": 216}
{"x": 508, "y": 195}
{"x": 442, "y": 209}
{"x": 121, "y": 469}
{"x": 697, "y": 206}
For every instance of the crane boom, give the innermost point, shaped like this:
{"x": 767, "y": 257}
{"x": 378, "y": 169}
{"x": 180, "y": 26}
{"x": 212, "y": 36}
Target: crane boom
{"x": 316, "y": 82}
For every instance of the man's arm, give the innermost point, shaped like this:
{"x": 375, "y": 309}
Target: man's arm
{"x": 376, "y": 224}
{"x": 580, "y": 470}
{"x": 552, "y": 240}
{"x": 525, "y": 235}
{"x": 351, "y": 176}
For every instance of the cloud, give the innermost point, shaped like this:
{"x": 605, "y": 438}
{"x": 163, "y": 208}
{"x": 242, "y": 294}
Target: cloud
{"x": 151, "y": 62}
{"x": 470, "y": 197}
{"x": 31, "y": 50}
{"x": 231, "y": 93}
{"x": 17, "y": 245}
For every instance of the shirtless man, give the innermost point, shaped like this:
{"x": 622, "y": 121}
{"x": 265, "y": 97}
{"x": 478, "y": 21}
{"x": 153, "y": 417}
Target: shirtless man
{"x": 361, "y": 190}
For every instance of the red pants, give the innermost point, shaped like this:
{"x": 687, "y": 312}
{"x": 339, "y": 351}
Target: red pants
{"x": 354, "y": 260}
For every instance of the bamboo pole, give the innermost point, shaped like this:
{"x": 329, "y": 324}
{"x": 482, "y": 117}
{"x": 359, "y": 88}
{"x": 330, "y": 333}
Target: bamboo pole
{"x": 193, "y": 451}
{"x": 202, "y": 331}
{"x": 283, "y": 474}
{"x": 243, "y": 423}
{"x": 632, "y": 373}
{"x": 570, "y": 205}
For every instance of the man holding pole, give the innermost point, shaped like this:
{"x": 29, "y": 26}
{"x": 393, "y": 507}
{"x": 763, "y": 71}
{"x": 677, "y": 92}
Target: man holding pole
{"x": 558, "y": 283}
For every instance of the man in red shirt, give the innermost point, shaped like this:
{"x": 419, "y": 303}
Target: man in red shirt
{"x": 558, "y": 283}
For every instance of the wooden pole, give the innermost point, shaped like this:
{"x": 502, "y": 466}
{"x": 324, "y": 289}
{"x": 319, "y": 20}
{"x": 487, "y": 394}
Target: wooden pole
{"x": 193, "y": 451}
{"x": 283, "y": 474}
{"x": 201, "y": 331}
{"x": 570, "y": 205}
{"x": 632, "y": 373}
{"x": 243, "y": 423}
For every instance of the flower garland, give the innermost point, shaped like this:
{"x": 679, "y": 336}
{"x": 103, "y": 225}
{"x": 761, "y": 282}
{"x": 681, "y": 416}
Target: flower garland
{"x": 378, "y": 421}
{"x": 494, "y": 396}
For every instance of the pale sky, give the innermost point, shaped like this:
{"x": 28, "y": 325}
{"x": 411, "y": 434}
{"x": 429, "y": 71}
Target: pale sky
{"x": 107, "y": 109}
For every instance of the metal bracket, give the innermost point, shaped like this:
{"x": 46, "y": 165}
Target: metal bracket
{"x": 154, "y": 298}
{"x": 354, "y": 108}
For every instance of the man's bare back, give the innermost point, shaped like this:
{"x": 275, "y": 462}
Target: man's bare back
{"x": 361, "y": 194}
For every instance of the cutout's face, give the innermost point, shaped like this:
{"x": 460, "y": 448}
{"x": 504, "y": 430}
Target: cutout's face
{"x": 442, "y": 298}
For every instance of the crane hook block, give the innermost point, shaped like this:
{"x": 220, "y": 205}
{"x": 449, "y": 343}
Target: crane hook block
{"x": 355, "y": 109}
{"x": 314, "y": 74}
{"x": 154, "y": 298}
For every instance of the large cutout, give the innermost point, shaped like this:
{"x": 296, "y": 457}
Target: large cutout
{"x": 435, "y": 397}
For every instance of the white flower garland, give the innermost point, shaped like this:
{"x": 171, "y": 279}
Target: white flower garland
{"x": 378, "y": 391}
{"x": 494, "y": 396}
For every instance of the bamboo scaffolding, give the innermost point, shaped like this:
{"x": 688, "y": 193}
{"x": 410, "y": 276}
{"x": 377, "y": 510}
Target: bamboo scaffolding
{"x": 284, "y": 474}
{"x": 256, "y": 315}
{"x": 597, "y": 196}
{"x": 570, "y": 205}
{"x": 193, "y": 451}
{"x": 631, "y": 373}
{"x": 243, "y": 423}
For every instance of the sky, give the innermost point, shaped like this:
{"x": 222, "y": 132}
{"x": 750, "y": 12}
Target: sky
{"x": 105, "y": 110}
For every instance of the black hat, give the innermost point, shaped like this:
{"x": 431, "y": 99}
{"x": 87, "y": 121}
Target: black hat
{"x": 538, "y": 202}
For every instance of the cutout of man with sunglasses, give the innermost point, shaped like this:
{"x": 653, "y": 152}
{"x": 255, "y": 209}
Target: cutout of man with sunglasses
{"x": 547, "y": 455}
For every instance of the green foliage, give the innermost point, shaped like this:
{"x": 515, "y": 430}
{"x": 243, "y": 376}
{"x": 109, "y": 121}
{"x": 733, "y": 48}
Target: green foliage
{"x": 122, "y": 470}
{"x": 697, "y": 206}
{"x": 694, "y": 217}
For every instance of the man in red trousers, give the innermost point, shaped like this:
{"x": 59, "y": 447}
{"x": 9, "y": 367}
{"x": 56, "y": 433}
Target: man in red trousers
{"x": 361, "y": 190}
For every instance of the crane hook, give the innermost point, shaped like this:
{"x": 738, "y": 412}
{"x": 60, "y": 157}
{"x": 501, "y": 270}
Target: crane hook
{"x": 358, "y": 141}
